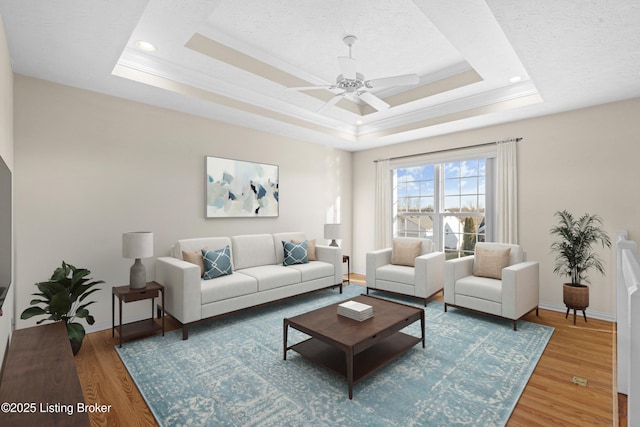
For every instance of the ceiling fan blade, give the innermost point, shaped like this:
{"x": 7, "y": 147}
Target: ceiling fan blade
{"x": 310, "y": 87}
{"x": 348, "y": 66}
{"x": 333, "y": 101}
{"x": 403, "y": 80}
{"x": 374, "y": 101}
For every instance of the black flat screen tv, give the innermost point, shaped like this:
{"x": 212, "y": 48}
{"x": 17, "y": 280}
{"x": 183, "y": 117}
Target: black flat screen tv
{"x": 5, "y": 230}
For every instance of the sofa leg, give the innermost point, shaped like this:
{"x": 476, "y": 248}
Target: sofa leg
{"x": 515, "y": 325}
{"x": 185, "y": 332}
{"x": 445, "y": 307}
{"x": 341, "y": 287}
{"x": 537, "y": 312}
{"x": 425, "y": 302}
{"x": 367, "y": 290}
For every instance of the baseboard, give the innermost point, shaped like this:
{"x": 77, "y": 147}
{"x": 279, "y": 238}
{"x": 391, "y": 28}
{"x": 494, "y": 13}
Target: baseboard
{"x": 590, "y": 313}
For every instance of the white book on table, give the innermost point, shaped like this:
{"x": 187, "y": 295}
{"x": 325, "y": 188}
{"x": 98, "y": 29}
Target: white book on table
{"x": 355, "y": 310}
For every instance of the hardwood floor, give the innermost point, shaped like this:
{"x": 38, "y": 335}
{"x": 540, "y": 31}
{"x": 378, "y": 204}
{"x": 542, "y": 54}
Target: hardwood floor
{"x": 550, "y": 398}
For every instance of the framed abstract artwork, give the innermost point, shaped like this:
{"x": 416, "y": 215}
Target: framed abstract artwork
{"x": 235, "y": 188}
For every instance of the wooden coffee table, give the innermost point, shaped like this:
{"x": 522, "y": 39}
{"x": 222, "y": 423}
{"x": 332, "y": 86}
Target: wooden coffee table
{"x": 351, "y": 348}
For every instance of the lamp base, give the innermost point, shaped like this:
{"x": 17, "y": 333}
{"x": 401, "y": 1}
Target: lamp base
{"x": 333, "y": 243}
{"x": 138, "y": 275}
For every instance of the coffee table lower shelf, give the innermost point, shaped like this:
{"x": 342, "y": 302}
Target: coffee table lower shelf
{"x": 364, "y": 363}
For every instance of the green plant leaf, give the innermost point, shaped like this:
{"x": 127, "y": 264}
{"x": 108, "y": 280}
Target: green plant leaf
{"x": 91, "y": 320}
{"x": 75, "y": 331}
{"x": 60, "y": 304}
{"x": 32, "y": 311}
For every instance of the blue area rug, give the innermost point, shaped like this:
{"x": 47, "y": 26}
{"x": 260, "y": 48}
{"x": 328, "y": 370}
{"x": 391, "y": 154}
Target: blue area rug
{"x": 230, "y": 372}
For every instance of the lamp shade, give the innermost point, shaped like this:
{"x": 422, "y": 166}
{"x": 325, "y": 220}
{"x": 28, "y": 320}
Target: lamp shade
{"x": 332, "y": 231}
{"x": 137, "y": 244}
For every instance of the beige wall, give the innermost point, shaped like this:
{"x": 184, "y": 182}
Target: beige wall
{"x": 6, "y": 152}
{"x": 90, "y": 167}
{"x": 584, "y": 161}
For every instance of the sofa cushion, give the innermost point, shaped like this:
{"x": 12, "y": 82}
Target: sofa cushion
{"x": 405, "y": 253}
{"x": 313, "y": 270}
{"x": 225, "y": 287}
{"x": 396, "y": 273}
{"x": 196, "y": 244}
{"x": 194, "y": 257}
{"x": 490, "y": 262}
{"x": 479, "y": 287}
{"x": 311, "y": 249}
{"x": 295, "y": 253}
{"x": 253, "y": 250}
{"x": 273, "y": 276}
{"x": 216, "y": 263}
{"x": 278, "y": 238}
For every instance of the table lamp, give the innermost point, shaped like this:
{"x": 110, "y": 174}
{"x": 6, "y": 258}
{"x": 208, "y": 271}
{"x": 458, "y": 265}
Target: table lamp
{"x": 137, "y": 245}
{"x": 332, "y": 232}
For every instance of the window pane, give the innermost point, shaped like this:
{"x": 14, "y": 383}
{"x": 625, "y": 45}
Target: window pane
{"x": 469, "y": 186}
{"x": 451, "y": 187}
{"x": 452, "y": 204}
{"x": 452, "y": 170}
{"x": 415, "y": 226}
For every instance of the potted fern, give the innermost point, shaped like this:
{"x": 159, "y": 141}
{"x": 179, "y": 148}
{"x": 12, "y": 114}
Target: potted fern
{"x": 576, "y": 255}
{"x": 63, "y": 296}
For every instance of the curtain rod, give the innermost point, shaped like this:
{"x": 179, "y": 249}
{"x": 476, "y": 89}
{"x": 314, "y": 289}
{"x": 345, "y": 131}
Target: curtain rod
{"x": 450, "y": 149}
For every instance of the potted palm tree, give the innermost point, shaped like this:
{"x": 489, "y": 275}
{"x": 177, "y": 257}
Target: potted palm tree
{"x": 63, "y": 297}
{"x": 576, "y": 255}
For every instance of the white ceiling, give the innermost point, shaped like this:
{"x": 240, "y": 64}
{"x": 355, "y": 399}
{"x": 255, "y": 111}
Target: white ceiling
{"x": 231, "y": 60}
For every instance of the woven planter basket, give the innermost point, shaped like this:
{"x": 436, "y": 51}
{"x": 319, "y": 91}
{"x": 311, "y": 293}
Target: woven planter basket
{"x": 575, "y": 296}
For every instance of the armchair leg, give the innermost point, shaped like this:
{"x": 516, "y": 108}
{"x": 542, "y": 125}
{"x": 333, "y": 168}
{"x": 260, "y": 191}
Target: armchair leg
{"x": 445, "y": 307}
{"x": 515, "y": 325}
{"x": 367, "y": 290}
{"x": 425, "y": 302}
{"x": 537, "y": 312}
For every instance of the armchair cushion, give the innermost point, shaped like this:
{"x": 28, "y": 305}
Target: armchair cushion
{"x": 405, "y": 253}
{"x": 490, "y": 262}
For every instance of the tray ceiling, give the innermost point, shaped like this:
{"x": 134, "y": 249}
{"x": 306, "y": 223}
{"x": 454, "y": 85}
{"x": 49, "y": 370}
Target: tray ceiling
{"x": 479, "y": 63}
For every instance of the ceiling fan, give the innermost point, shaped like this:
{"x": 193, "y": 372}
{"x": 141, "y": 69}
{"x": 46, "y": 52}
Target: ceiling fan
{"x": 350, "y": 82}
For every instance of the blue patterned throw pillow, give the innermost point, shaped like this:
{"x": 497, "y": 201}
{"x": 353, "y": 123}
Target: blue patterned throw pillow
{"x": 295, "y": 253}
{"x": 216, "y": 263}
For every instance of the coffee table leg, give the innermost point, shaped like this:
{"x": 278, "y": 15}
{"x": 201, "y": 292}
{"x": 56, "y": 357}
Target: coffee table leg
{"x": 285, "y": 328}
{"x": 349, "y": 355}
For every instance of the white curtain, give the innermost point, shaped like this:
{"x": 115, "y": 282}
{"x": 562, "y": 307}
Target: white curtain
{"x": 382, "y": 215}
{"x": 507, "y": 193}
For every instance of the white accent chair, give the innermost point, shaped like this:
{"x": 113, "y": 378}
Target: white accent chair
{"x": 422, "y": 280}
{"x": 512, "y": 297}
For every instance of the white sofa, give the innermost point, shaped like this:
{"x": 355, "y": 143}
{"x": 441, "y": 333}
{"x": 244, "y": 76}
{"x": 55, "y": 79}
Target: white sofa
{"x": 423, "y": 280}
{"x": 258, "y": 277}
{"x": 511, "y": 297}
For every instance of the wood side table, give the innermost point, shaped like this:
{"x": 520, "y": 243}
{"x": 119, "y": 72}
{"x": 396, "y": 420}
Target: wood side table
{"x": 345, "y": 258}
{"x": 142, "y": 327}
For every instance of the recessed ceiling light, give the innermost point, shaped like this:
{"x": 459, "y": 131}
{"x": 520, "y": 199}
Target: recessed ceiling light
{"x": 515, "y": 79}
{"x": 146, "y": 46}
{"x": 359, "y": 122}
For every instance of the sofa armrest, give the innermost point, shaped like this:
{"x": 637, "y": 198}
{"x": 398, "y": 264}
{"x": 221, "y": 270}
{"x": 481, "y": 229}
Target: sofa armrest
{"x": 376, "y": 259}
{"x": 181, "y": 281}
{"x": 332, "y": 255}
{"x": 429, "y": 274}
{"x": 520, "y": 289}
{"x": 455, "y": 269}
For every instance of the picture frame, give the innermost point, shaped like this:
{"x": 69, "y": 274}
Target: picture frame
{"x": 238, "y": 188}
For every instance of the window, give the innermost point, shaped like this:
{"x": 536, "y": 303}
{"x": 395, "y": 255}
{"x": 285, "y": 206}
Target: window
{"x": 445, "y": 202}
